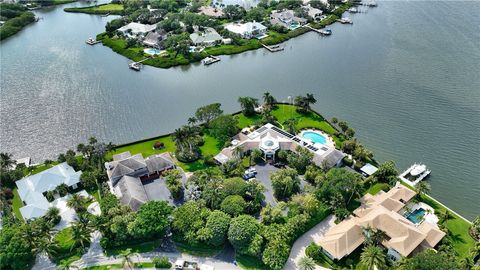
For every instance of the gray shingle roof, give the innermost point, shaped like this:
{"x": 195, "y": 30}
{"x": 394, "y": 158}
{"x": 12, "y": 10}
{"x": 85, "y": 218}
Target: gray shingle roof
{"x": 159, "y": 162}
{"x": 132, "y": 192}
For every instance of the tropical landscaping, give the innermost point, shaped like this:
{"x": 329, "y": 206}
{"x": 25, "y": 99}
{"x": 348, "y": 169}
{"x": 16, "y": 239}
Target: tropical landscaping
{"x": 14, "y": 17}
{"x": 178, "y": 19}
{"x": 220, "y": 208}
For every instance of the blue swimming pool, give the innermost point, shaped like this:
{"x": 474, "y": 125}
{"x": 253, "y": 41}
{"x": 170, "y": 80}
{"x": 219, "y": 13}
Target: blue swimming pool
{"x": 152, "y": 51}
{"x": 315, "y": 137}
{"x": 416, "y": 216}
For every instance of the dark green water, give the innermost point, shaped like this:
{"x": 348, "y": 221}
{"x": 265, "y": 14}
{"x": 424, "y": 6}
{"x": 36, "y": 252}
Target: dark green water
{"x": 405, "y": 75}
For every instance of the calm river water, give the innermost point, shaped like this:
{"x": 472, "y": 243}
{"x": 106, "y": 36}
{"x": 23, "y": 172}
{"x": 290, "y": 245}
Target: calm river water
{"x": 405, "y": 75}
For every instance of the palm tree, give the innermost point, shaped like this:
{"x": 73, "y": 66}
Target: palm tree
{"x": 379, "y": 236}
{"x": 268, "y": 101}
{"x": 255, "y": 155}
{"x": 291, "y": 125}
{"x": 76, "y": 202}
{"x": 192, "y": 120}
{"x": 237, "y": 153}
{"x": 6, "y": 161}
{"x": 444, "y": 216}
{"x": 372, "y": 256}
{"x": 126, "y": 255}
{"x": 248, "y": 105}
{"x": 306, "y": 263}
{"x": 367, "y": 233}
{"x": 423, "y": 188}
{"x": 47, "y": 245}
{"x": 80, "y": 235}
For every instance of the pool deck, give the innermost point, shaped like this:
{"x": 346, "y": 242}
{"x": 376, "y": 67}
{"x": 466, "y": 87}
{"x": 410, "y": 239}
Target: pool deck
{"x": 329, "y": 140}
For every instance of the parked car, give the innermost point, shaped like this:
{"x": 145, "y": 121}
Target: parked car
{"x": 251, "y": 170}
{"x": 248, "y": 176}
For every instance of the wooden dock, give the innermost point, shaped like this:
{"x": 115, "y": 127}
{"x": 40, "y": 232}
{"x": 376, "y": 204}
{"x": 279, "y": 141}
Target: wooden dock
{"x": 273, "y": 48}
{"x": 320, "y": 31}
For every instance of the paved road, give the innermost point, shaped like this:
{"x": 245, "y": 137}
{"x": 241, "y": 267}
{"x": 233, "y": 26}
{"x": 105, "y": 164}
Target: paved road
{"x": 263, "y": 176}
{"x": 313, "y": 235}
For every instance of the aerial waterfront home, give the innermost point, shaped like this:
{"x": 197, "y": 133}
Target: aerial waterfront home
{"x": 154, "y": 38}
{"x": 314, "y": 13}
{"x": 136, "y": 30}
{"x": 33, "y": 189}
{"x": 405, "y": 235}
{"x": 211, "y": 11}
{"x": 127, "y": 174}
{"x": 286, "y": 18}
{"x": 270, "y": 139}
{"x": 247, "y": 30}
{"x": 207, "y": 38}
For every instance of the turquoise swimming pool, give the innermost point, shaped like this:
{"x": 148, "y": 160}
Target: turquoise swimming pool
{"x": 416, "y": 216}
{"x": 152, "y": 51}
{"x": 315, "y": 137}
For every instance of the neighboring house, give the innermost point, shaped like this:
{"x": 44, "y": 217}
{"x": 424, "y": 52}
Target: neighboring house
{"x": 136, "y": 30}
{"x": 154, "y": 38}
{"x": 286, "y": 18}
{"x": 270, "y": 139}
{"x": 127, "y": 173}
{"x": 211, "y": 11}
{"x": 314, "y": 13}
{"x": 33, "y": 189}
{"x": 247, "y": 30}
{"x": 381, "y": 212}
{"x": 209, "y": 37}
{"x": 368, "y": 169}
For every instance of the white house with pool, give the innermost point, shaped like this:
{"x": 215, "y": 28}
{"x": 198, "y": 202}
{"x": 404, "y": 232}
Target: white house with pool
{"x": 271, "y": 139}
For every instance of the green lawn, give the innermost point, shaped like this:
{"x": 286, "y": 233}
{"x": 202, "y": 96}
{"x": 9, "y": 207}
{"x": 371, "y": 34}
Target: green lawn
{"x": 119, "y": 266}
{"x": 462, "y": 242}
{"x": 250, "y": 263}
{"x": 65, "y": 253}
{"x": 198, "y": 250}
{"x": 99, "y": 9}
{"x": 61, "y": 2}
{"x": 17, "y": 204}
{"x": 136, "y": 248}
{"x": 374, "y": 189}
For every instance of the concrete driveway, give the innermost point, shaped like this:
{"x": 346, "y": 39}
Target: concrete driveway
{"x": 313, "y": 235}
{"x": 263, "y": 175}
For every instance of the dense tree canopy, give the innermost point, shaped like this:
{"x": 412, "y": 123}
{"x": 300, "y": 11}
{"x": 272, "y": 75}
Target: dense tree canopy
{"x": 207, "y": 113}
{"x": 285, "y": 183}
{"x": 15, "y": 250}
{"x": 152, "y": 219}
{"x": 243, "y": 234}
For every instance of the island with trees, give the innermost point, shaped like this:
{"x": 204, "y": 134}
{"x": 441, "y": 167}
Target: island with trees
{"x": 14, "y": 18}
{"x": 182, "y": 32}
{"x": 210, "y": 206}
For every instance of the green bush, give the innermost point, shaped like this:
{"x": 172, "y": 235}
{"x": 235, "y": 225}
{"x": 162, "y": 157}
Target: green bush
{"x": 314, "y": 251}
{"x": 162, "y": 262}
{"x": 347, "y": 161}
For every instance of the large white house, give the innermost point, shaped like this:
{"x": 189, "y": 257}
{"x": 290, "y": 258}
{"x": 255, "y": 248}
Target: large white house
{"x": 209, "y": 37}
{"x": 136, "y": 30}
{"x": 33, "y": 189}
{"x": 247, "y": 30}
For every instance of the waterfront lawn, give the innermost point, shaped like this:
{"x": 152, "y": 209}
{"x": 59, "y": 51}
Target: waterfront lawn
{"x": 458, "y": 228}
{"x": 98, "y": 9}
{"x": 461, "y": 240}
{"x": 61, "y": 2}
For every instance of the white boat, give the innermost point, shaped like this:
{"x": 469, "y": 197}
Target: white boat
{"x": 418, "y": 169}
{"x": 326, "y": 31}
{"x": 91, "y": 41}
{"x": 346, "y": 20}
{"x": 353, "y": 10}
{"x": 135, "y": 66}
{"x": 372, "y": 4}
{"x": 210, "y": 60}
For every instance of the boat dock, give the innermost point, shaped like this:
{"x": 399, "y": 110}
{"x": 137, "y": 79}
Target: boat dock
{"x": 325, "y": 32}
{"x": 210, "y": 60}
{"x": 273, "y": 48}
{"x": 105, "y": 15}
{"x": 417, "y": 171}
{"x": 345, "y": 21}
{"x": 137, "y": 66}
{"x": 92, "y": 41}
